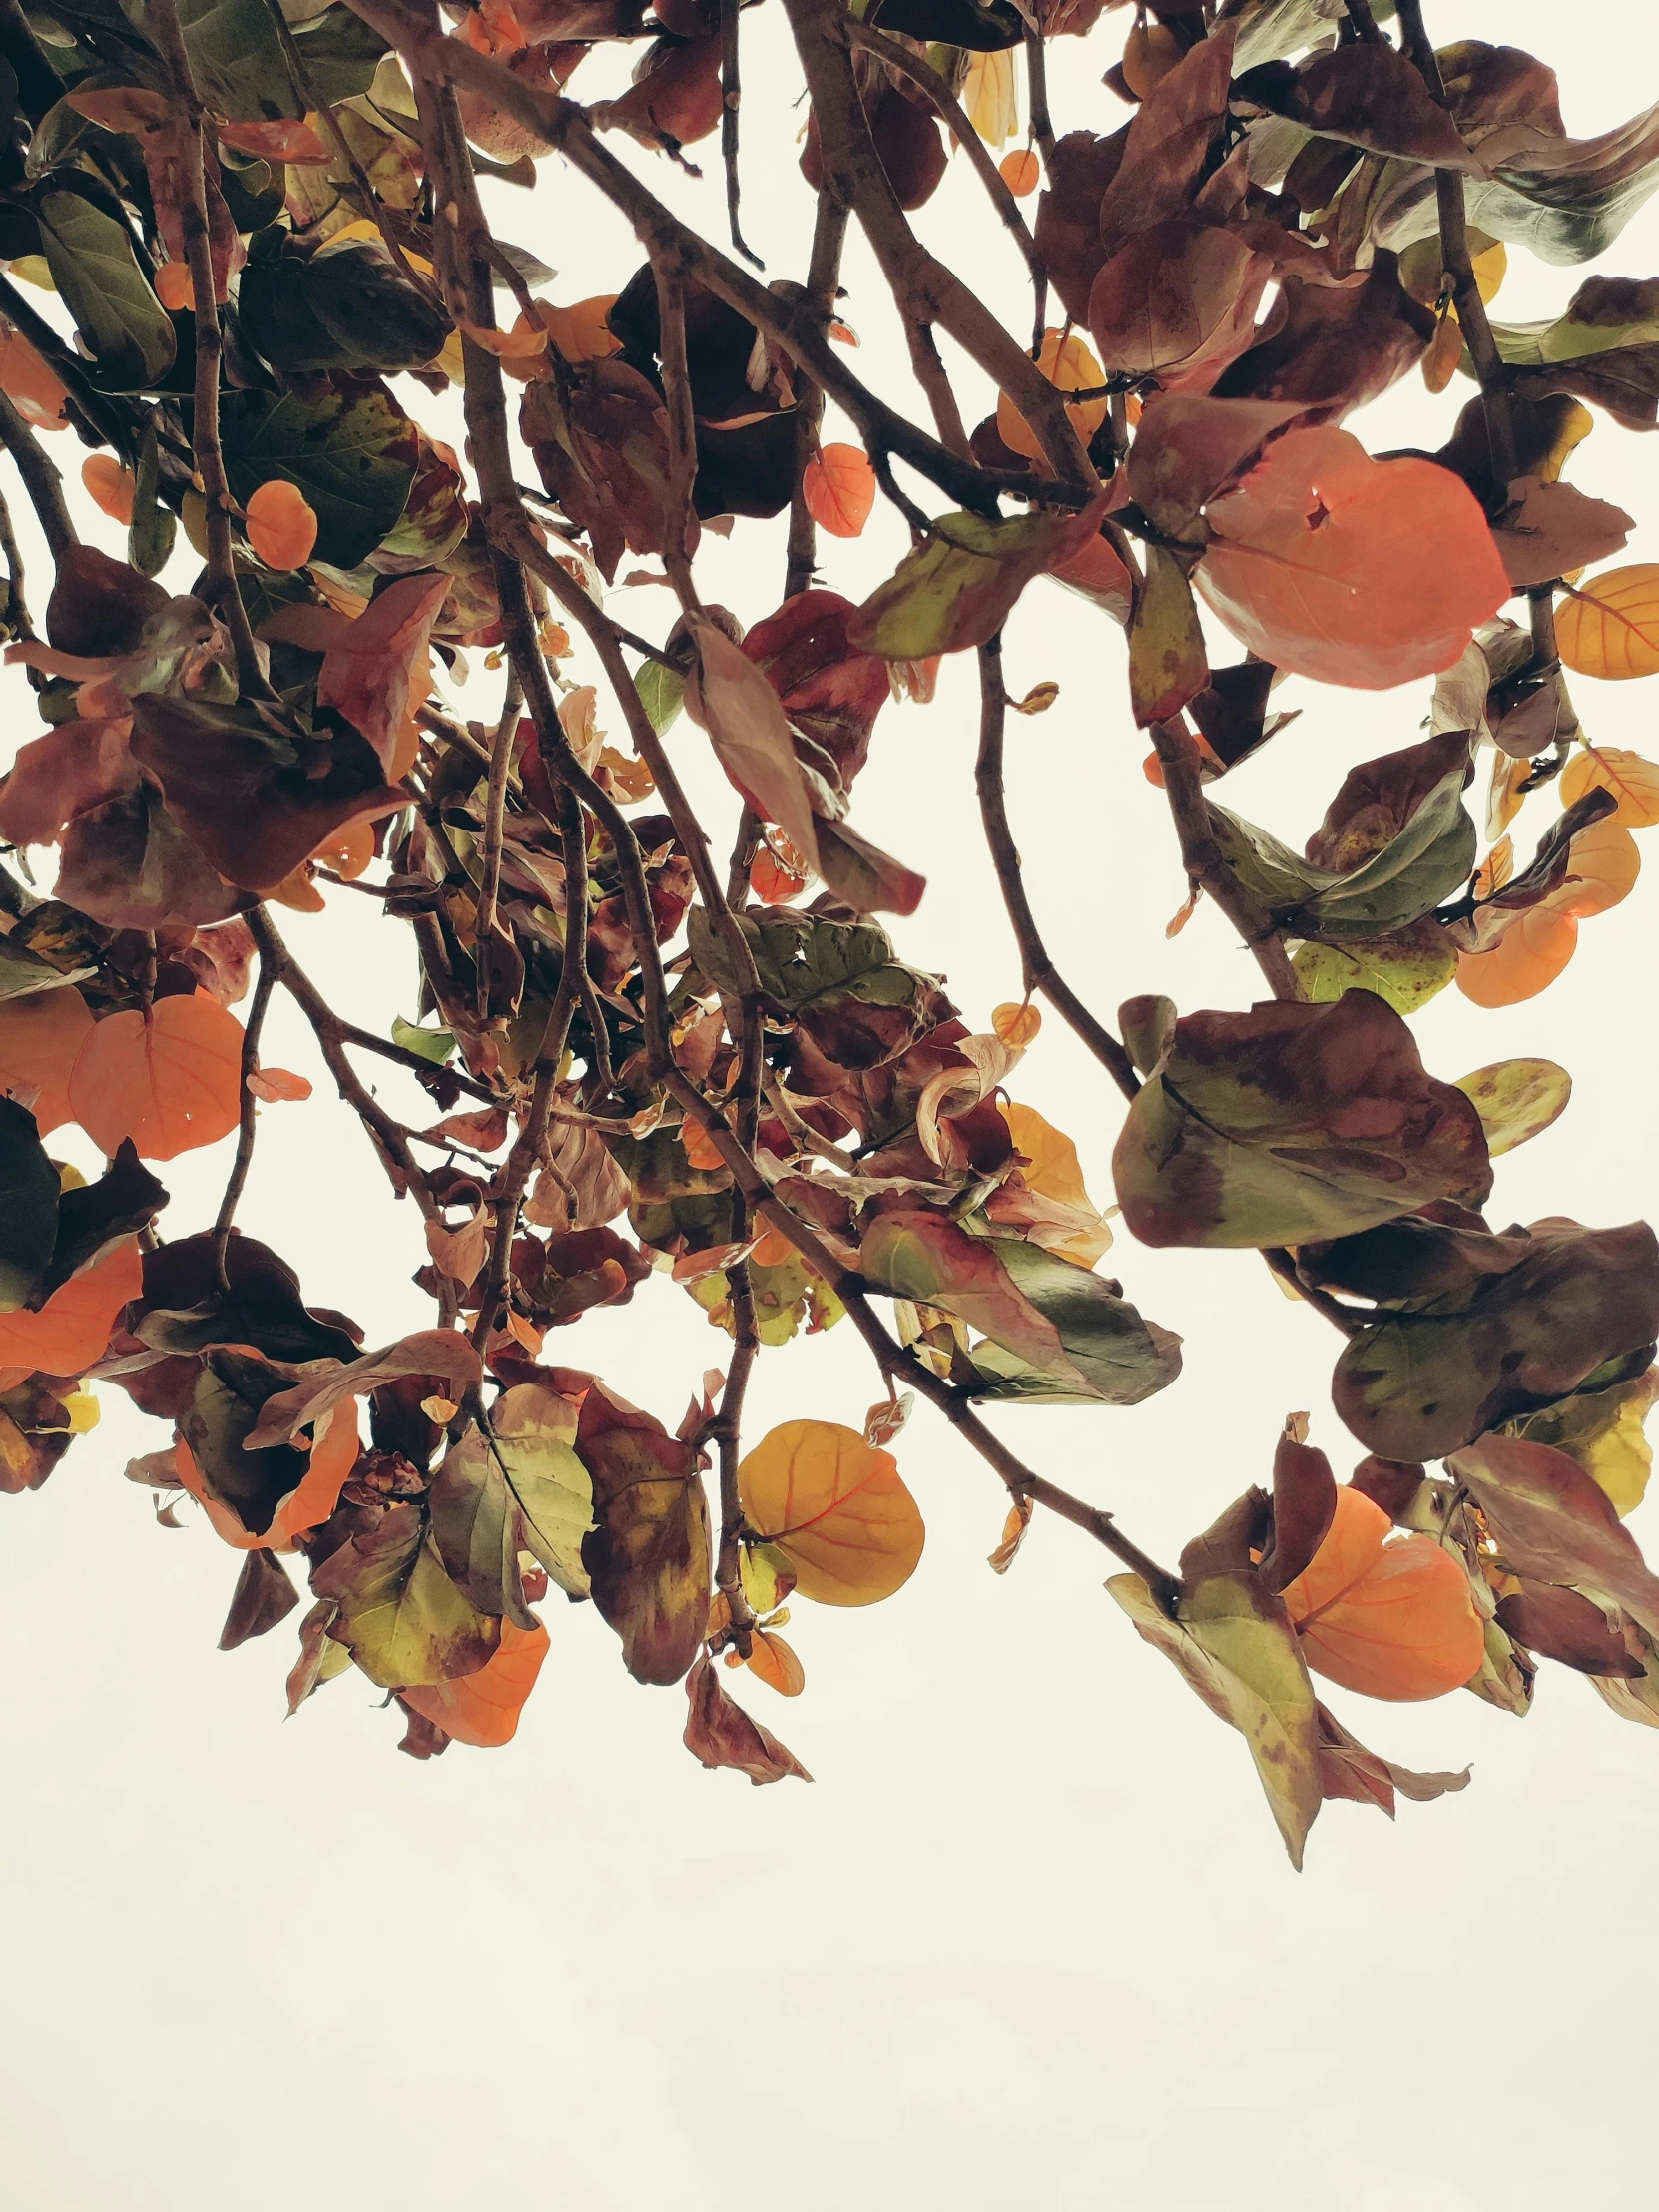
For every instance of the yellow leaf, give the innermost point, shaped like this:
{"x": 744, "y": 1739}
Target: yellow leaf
{"x": 84, "y": 1411}
{"x": 1016, "y": 1021}
{"x": 1071, "y": 1225}
{"x": 1490, "y": 266}
{"x": 990, "y": 97}
{"x": 1069, "y": 365}
{"x": 1633, "y": 782}
{"x": 837, "y": 1510}
{"x": 1014, "y": 1535}
{"x": 766, "y": 1577}
{"x": 1603, "y": 1431}
{"x": 1516, "y": 1100}
{"x": 1609, "y": 627}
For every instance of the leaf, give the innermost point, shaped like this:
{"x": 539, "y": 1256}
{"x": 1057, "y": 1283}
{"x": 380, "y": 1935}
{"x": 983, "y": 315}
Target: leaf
{"x": 1316, "y": 563}
{"x": 1560, "y": 1305}
{"x": 1288, "y": 1123}
{"x": 170, "y": 1082}
{"x": 41, "y": 1036}
{"x": 530, "y": 1454}
{"x": 1046, "y": 1196}
{"x": 1550, "y": 1520}
{"x": 1168, "y": 143}
{"x": 400, "y": 1616}
{"x": 1550, "y": 530}
{"x": 1177, "y": 301}
{"x": 377, "y": 673}
{"x": 958, "y": 588}
{"x": 1405, "y": 976}
{"x": 71, "y": 1330}
{"x": 237, "y": 60}
{"x": 439, "y": 1354}
{"x": 258, "y": 1499}
{"x": 483, "y": 1708}
{"x": 1304, "y": 1506}
{"x": 649, "y": 1555}
{"x": 28, "y": 1206}
{"x": 1367, "y": 95}
{"x": 775, "y": 1662}
{"x": 1633, "y": 782}
{"x": 1235, "y": 1647}
{"x": 264, "y": 1596}
{"x": 97, "y": 274}
{"x": 1166, "y": 663}
{"x": 1348, "y": 1769}
{"x": 839, "y": 490}
{"x": 1388, "y": 1616}
{"x": 1065, "y": 360}
{"x": 353, "y": 459}
{"x": 1603, "y": 1431}
{"x": 341, "y": 53}
{"x": 835, "y": 1507}
{"x": 1516, "y": 1100}
{"x": 345, "y": 307}
{"x": 841, "y": 981}
{"x": 719, "y": 1733}
{"x": 661, "y": 692}
{"x": 1609, "y": 627}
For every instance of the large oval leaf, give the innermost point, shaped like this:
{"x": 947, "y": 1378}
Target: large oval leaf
{"x": 836, "y": 1509}
{"x": 169, "y": 1080}
{"x": 1391, "y": 1617}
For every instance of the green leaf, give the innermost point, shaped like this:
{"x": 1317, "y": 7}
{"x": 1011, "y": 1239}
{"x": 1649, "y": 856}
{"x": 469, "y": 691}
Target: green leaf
{"x": 238, "y": 61}
{"x": 1516, "y": 1100}
{"x": 97, "y": 272}
{"x": 435, "y": 1045}
{"x": 958, "y": 588}
{"x": 1404, "y": 975}
{"x": 400, "y": 1616}
{"x": 354, "y": 456}
{"x": 28, "y": 1205}
{"x": 341, "y": 52}
{"x": 1288, "y": 1123}
{"x": 1233, "y": 1646}
{"x": 661, "y": 691}
{"x": 345, "y": 309}
{"x": 520, "y": 1484}
{"x": 153, "y": 528}
{"x": 841, "y": 981}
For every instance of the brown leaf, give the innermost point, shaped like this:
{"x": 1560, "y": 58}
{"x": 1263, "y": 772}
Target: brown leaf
{"x": 442, "y": 1354}
{"x": 720, "y": 1734}
{"x": 1304, "y": 1506}
{"x": 649, "y": 1556}
{"x": 1549, "y": 530}
{"x": 1551, "y": 1520}
{"x": 264, "y": 1596}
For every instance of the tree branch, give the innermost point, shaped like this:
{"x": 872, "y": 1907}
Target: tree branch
{"x": 1190, "y": 812}
{"x": 40, "y": 480}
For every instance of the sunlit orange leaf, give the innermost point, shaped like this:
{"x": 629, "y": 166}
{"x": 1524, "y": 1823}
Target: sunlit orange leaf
{"x": 1355, "y": 571}
{"x": 379, "y": 671}
{"x": 287, "y": 140}
{"x": 349, "y": 851}
{"x": 776, "y": 1663}
{"x": 835, "y": 1508}
{"x": 839, "y": 487}
{"x": 1633, "y": 781}
{"x": 1605, "y": 864}
{"x": 1609, "y": 627}
{"x": 40, "y": 1040}
{"x": 772, "y": 1248}
{"x": 1069, "y": 365}
{"x": 109, "y": 485}
{"x": 1016, "y": 1022}
{"x": 1525, "y": 960}
{"x": 171, "y": 1082}
{"x": 582, "y": 333}
{"x": 1021, "y": 172}
{"x": 483, "y": 1708}
{"x": 1391, "y": 1617}
{"x": 523, "y": 342}
{"x": 72, "y": 1329}
{"x": 32, "y": 387}
{"x": 281, "y": 525}
{"x": 276, "y": 1086}
{"x": 701, "y": 1150}
{"x": 1440, "y": 363}
{"x": 772, "y": 882}
{"x": 1054, "y": 1208}
{"x": 1014, "y": 1535}
{"x": 174, "y": 289}
{"x": 307, "y": 1506}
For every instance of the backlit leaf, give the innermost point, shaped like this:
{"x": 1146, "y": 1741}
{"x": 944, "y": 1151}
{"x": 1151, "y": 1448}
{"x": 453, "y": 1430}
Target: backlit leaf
{"x": 483, "y": 1708}
{"x": 839, "y": 487}
{"x": 835, "y": 1507}
{"x": 1633, "y": 782}
{"x": 1609, "y": 626}
{"x": 400, "y": 1616}
{"x": 1604, "y": 1431}
{"x": 41, "y": 1036}
{"x": 1516, "y": 1100}
{"x": 72, "y": 1329}
{"x": 719, "y": 1733}
{"x": 1389, "y": 1616}
{"x": 171, "y": 1081}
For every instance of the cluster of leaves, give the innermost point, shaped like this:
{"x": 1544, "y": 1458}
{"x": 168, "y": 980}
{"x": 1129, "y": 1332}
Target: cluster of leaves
{"x": 254, "y": 216}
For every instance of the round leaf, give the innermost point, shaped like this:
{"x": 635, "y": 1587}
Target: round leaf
{"x": 835, "y": 1508}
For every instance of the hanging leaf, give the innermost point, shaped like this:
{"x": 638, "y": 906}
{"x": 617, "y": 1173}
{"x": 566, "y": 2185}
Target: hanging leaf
{"x": 400, "y": 1616}
{"x": 169, "y": 1080}
{"x": 839, "y": 487}
{"x": 484, "y": 1708}
{"x": 1609, "y": 627}
{"x": 353, "y": 459}
{"x": 835, "y": 1508}
{"x": 98, "y": 276}
{"x": 1389, "y": 1616}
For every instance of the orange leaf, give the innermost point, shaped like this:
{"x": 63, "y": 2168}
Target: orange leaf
{"x": 1633, "y": 782}
{"x": 379, "y": 671}
{"x": 1355, "y": 571}
{"x": 349, "y": 851}
{"x": 1391, "y": 1617}
{"x": 839, "y": 487}
{"x": 582, "y": 333}
{"x": 1609, "y": 627}
{"x": 1016, "y": 1022}
{"x": 1069, "y": 365}
{"x": 277, "y": 1087}
{"x": 483, "y": 1708}
{"x": 171, "y": 1083}
{"x": 109, "y": 485}
{"x": 174, "y": 289}
{"x": 307, "y": 1506}
{"x": 40, "y": 1040}
{"x": 772, "y": 882}
{"x": 282, "y": 141}
{"x": 1605, "y": 864}
{"x": 32, "y": 387}
{"x": 1021, "y": 172}
{"x": 776, "y": 1664}
{"x": 281, "y": 525}
{"x": 72, "y": 1329}
{"x": 835, "y": 1508}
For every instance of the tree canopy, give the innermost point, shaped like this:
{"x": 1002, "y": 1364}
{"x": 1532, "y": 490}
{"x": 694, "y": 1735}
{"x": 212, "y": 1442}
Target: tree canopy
{"x": 243, "y": 239}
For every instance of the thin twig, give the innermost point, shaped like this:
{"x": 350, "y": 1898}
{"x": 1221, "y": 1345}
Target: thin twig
{"x": 262, "y": 989}
{"x": 1038, "y": 971}
{"x": 495, "y": 829}
{"x": 40, "y": 480}
{"x": 818, "y": 301}
{"x": 731, "y": 95}
{"x": 728, "y": 1437}
{"x": 17, "y": 606}
{"x": 679, "y": 510}
{"x": 209, "y": 455}
{"x": 1190, "y": 812}
{"x": 1036, "y": 83}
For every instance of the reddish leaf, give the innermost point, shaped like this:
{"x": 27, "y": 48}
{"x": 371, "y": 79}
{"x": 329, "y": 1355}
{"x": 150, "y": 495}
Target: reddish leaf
{"x": 1391, "y": 1617}
{"x": 169, "y": 1080}
{"x": 720, "y": 1734}
{"x": 839, "y": 487}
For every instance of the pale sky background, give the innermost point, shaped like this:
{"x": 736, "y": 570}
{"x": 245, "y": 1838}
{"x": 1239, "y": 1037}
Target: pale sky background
{"x": 1030, "y": 1939}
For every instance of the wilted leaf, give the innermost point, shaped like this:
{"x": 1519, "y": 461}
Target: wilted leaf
{"x": 1550, "y": 1520}
{"x": 719, "y": 1733}
{"x": 1603, "y": 1431}
{"x": 483, "y": 1708}
{"x": 400, "y": 1616}
{"x": 442, "y": 1354}
{"x": 957, "y": 589}
{"x": 649, "y": 1555}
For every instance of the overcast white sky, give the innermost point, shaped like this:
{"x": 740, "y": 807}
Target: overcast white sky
{"x": 1031, "y": 1939}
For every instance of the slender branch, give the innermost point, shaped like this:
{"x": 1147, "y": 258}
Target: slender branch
{"x": 728, "y": 1437}
{"x": 1038, "y": 971}
{"x": 262, "y": 989}
{"x": 678, "y": 511}
{"x": 495, "y": 830}
{"x": 17, "y": 605}
{"x": 731, "y": 96}
{"x": 818, "y": 301}
{"x": 931, "y": 376}
{"x": 40, "y": 480}
{"x": 1190, "y": 812}
{"x": 1454, "y": 254}
{"x": 1036, "y": 82}
{"x": 209, "y": 455}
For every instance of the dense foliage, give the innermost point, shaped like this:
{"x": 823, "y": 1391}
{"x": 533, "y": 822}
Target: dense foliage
{"x": 227, "y": 225}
